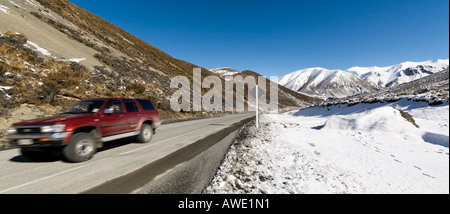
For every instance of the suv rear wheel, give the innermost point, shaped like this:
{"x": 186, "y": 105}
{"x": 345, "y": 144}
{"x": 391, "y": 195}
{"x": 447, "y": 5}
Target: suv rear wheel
{"x": 146, "y": 134}
{"x": 81, "y": 147}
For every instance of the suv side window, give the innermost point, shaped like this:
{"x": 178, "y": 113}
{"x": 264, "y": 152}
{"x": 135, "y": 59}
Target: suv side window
{"x": 146, "y": 104}
{"x": 115, "y": 105}
{"x": 130, "y": 105}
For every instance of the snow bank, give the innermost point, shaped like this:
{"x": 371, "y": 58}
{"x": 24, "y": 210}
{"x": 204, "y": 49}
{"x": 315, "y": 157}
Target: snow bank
{"x": 383, "y": 119}
{"x": 365, "y": 148}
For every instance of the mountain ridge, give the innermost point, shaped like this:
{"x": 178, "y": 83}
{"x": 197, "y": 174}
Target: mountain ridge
{"x": 325, "y": 83}
{"x": 401, "y": 73}
{"x": 356, "y": 80}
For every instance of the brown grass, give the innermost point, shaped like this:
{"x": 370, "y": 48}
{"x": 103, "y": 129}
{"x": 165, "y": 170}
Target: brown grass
{"x": 408, "y": 117}
{"x": 36, "y": 80}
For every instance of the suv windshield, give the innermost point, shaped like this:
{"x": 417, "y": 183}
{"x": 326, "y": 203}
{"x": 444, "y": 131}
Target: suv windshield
{"x": 85, "y": 106}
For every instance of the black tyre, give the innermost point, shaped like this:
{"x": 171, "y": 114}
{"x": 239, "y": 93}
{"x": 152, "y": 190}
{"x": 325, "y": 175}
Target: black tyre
{"x": 81, "y": 148}
{"x": 146, "y": 134}
{"x": 30, "y": 154}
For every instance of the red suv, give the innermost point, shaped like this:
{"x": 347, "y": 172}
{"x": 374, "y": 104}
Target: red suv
{"x": 85, "y": 127}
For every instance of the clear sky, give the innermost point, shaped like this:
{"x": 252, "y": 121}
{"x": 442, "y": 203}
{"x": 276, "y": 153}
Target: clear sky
{"x": 277, "y": 37}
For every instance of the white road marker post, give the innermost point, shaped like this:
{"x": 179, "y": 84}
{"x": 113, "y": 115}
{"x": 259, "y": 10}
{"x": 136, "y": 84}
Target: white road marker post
{"x": 257, "y": 107}
{"x": 256, "y": 94}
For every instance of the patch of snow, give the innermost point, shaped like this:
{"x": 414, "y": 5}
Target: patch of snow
{"x": 78, "y": 60}
{"x": 37, "y": 48}
{"x": 15, "y": 4}
{"x": 8, "y": 74}
{"x": 364, "y": 148}
{"x": 4, "y": 9}
{"x": 35, "y": 4}
{"x": 48, "y": 14}
{"x": 4, "y": 88}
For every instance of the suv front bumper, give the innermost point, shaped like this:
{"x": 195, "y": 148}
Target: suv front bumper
{"x": 41, "y": 139}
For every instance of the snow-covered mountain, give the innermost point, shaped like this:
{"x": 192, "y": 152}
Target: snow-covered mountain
{"x": 326, "y": 83}
{"x": 223, "y": 72}
{"x": 398, "y": 74}
{"x": 356, "y": 80}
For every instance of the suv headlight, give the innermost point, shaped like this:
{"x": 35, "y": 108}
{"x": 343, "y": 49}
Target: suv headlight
{"x": 53, "y": 128}
{"x": 12, "y": 130}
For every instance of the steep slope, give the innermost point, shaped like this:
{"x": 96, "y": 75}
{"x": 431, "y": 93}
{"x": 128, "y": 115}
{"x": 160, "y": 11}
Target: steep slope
{"x": 53, "y": 53}
{"x": 325, "y": 83}
{"x": 116, "y": 62}
{"x": 136, "y": 59}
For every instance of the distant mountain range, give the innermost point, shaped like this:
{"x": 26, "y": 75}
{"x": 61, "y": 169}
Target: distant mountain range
{"x": 326, "y": 83}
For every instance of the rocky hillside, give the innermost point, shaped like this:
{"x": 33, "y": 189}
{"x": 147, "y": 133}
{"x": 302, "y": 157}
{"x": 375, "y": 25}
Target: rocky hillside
{"x": 118, "y": 60}
{"x": 53, "y": 53}
{"x": 112, "y": 62}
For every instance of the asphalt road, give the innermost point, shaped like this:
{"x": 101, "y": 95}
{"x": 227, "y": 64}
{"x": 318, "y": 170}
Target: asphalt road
{"x": 115, "y": 165}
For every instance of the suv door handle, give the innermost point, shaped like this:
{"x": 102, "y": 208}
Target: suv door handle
{"x": 139, "y": 115}
{"x": 122, "y": 115}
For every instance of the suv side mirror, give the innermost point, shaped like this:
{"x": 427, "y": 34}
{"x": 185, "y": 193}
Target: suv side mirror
{"x": 108, "y": 111}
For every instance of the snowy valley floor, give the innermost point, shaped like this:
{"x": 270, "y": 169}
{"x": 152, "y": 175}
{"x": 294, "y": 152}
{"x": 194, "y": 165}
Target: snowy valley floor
{"x": 364, "y": 148}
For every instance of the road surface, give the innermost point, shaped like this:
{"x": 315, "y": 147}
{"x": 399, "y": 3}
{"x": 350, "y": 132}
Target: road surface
{"x": 121, "y": 159}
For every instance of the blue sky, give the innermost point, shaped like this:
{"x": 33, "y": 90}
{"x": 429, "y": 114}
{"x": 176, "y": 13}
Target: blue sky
{"x": 274, "y": 38}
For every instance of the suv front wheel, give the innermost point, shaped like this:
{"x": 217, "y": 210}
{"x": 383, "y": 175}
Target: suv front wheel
{"x": 81, "y": 147}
